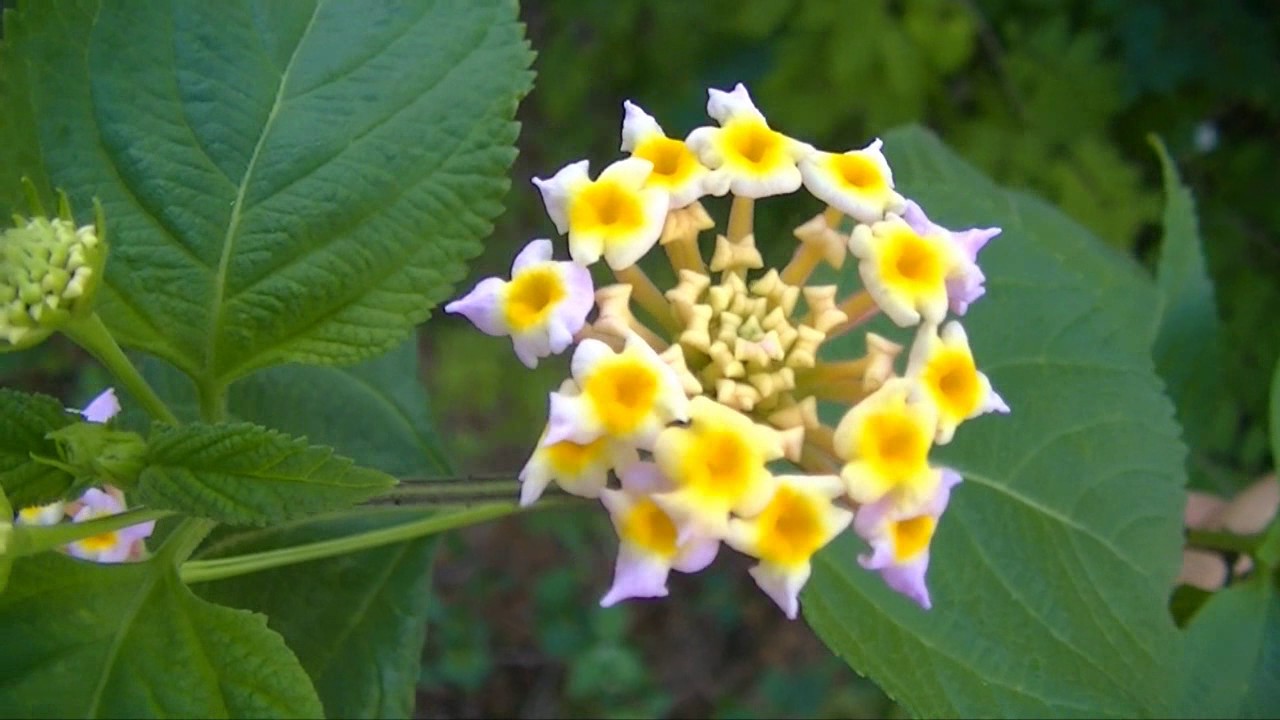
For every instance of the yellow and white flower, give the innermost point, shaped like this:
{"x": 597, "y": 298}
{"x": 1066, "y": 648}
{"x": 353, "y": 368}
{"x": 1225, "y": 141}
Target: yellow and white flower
{"x": 858, "y": 183}
{"x": 626, "y": 396}
{"x": 717, "y": 466}
{"x": 579, "y": 469}
{"x": 799, "y": 520}
{"x": 900, "y": 540}
{"x": 966, "y": 283}
{"x": 944, "y": 366}
{"x": 884, "y": 441}
{"x": 758, "y": 160}
{"x": 618, "y": 215}
{"x": 676, "y": 168}
{"x": 905, "y": 271}
{"x": 649, "y": 546}
{"x": 50, "y": 514}
{"x": 543, "y": 305}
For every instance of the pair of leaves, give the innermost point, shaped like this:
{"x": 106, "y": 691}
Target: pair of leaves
{"x": 1051, "y": 569}
{"x": 283, "y": 182}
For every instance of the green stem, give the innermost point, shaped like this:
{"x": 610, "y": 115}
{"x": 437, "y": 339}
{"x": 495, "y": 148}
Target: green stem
{"x": 185, "y": 538}
{"x": 89, "y": 333}
{"x": 33, "y": 539}
{"x": 196, "y": 571}
{"x": 1223, "y": 541}
{"x": 213, "y": 401}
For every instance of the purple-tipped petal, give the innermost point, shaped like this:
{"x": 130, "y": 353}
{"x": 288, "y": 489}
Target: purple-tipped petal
{"x": 644, "y": 478}
{"x": 537, "y": 251}
{"x": 909, "y": 580}
{"x": 636, "y": 576}
{"x": 973, "y": 240}
{"x": 482, "y": 307}
{"x": 102, "y": 408}
{"x": 696, "y": 554}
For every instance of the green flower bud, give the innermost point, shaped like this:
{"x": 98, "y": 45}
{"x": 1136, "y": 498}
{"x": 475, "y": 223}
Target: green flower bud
{"x": 96, "y": 454}
{"x": 49, "y": 270}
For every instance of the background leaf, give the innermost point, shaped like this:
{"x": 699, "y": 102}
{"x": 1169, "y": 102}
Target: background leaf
{"x": 1233, "y": 653}
{"x": 1051, "y": 570}
{"x": 245, "y": 474}
{"x": 357, "y": 622}
{"x": 24, "y": 421}
{"x": 367, "y": 661}
{"x": 130, "y": 640}
{"x": 1187, "y": 349}
{"x": 294, "y": 181}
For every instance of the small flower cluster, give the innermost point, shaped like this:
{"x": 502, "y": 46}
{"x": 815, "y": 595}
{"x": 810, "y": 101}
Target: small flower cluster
{"x": 48, "y": 271}
{"x": 690, "y": 407}
{"x": 113, "y": 546}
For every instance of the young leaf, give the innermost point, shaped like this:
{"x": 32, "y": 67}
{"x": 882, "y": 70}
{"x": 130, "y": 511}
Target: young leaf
{"x": 1050, "y": 572}
{"x": 24, "y": 421}
{"x": 297, "y": 181}
{"x": 86, "y": 640}
{"x": 1233, "y": 654}
{"x": 362, "y": 646}
{"x": 245, "y": 474}
{"x": 1187, "y": 348}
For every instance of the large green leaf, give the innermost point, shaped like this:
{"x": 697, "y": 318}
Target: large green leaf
{"x": 24, "y": 422}
{"x": 1187, "y": 349}
{"x": 245, "y": 474}
{"x": 1233, "y": 654}
{"x": 86, "y": 640}
{"x": 357, "y": 622}
{"x": 283, "y": 181}
{"x": 367, "y": 661}
{"x": 1051, "y": 570}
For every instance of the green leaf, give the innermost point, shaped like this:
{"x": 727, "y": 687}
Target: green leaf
{"x": 1051, "y": 570}
{"x": 1233, "y": 654}
{"x": 25, "y": 420}
{"x": 1187, "y": 349}
{"x": 245, "y": 474}
{"x": 362, "y": 645}
{"x": 298, "y": 181}
{"x": 130, "y": 640}
{"x": 1275, "y": 416}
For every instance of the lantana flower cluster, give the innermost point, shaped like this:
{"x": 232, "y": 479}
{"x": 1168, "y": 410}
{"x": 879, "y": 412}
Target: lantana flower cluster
{"x": 113, "y": 546}
{"x": 691, "y": 413}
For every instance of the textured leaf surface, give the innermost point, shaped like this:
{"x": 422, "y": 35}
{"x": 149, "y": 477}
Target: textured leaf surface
{"x": 1233, "y": 654}
{"x": 245, "y": 474}
{"x": 283, "y": 181}
{"x": 1187, "y": 349}
{"x": 361, "y": 645}
{"x": 367, "y": 661}
{"x": 86, "y": 640}
{"x": 1051, "y": 569}
{"x": 24, "y": 421}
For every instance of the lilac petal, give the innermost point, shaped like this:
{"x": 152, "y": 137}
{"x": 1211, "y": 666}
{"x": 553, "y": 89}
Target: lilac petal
{"x": 96, "y": 503}
{"x": 529, "y": 347}
{"x": 964, "y": 289}
{"x": 580, "y": 295}
{"x": 914, "y": 216}
{"x": 644, "y": 478}
{"x": 909, "y": 580}
{"x": 537, "y": 251}
{"x": 782, "y": 588}
{"x": 973, "y": 240}
{"x": 102, "y": 408}
{"x": 482, "y": 307}
{"x": 696, "y": 554}
{"x": 636, "y": 576}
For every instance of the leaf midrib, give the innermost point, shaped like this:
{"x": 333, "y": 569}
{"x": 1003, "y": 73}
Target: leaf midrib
{"x": 233, "y": 224}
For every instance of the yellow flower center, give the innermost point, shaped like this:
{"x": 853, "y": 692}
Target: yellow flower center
{"x": 896, "y": 444}
{"x": 99, "y": 543}
{"x": 623, "y": 391}
{"x": 911, "y": 537}
{"x": 858, "y": 172}
{"x": 720, "y": 465}
{"x": 532, "y": 295}
{"x": 606, "y": 206}
{"x": 750, "y": 145}
{"x": 569, "y": 459}
{"x": 912, "y": 263}
{"x": 647, "y": 526}
{"x": 791, "y": 528}
{"x": 673, "y": 162}
{"x": 952, "y": 380}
